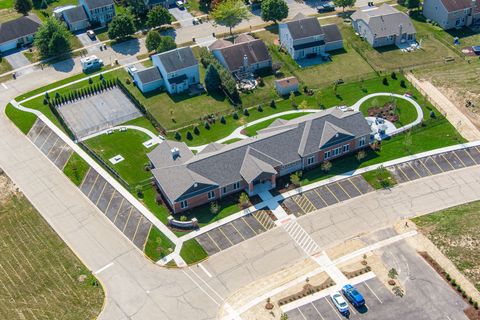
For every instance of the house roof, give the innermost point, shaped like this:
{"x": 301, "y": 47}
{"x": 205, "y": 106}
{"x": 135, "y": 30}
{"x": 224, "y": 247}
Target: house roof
{"x": 177, "y": 59}
{"x": 75, "y": 14}
{"x": 212, "y": 147}
{"x": 302, "y": 27}
{"x": 149, "y": 75}
{"x": 332, "y": 33}
{"x": 243, "y": 38}
{"x": 279, "y": 144}
{"x": 92, "y": 4}
{"x": 255, "y": 51}
{"x": 385, "y": 20}
{"x": 455, "y": 5}
{"x": 287, "y": 82}
{"x": 162, "y": 155}
{"x": 18, "y": 28}
{"x": 220, "y": 43}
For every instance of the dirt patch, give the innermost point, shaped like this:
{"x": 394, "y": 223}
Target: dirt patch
{"x": 7, "y": 188}
{"x": 387, "y": 112}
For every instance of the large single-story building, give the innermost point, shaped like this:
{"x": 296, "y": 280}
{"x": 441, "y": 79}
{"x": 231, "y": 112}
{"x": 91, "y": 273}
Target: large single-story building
{"x": 383, "y": 26}
{"x": 304, "y": 37}
{"x": 187, "y": 180}
{"x": 452, "y": 13}
{"x": 18, "y": 32}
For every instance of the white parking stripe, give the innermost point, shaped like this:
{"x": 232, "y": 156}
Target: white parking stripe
{"x": 317, "y": 311}
{"x": 199, "y": 287}
{"x": 205, "y": 270}
{"x": 4, "y": 85}
{"x": 301, "y": 313}
{"x": 373, "y": 292}
{"x": 207, "y": 285}
{"x": 334, "y": 309}
{"x": 103, "y": 268}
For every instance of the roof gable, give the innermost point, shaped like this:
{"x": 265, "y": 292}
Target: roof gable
{"x": 332, "y": 135}
{"x": 303, "y": 27}
{"x": 18, "y": 28}
{"x": 252, "y": 168}
{"x": 177, "y": 59}
{"x": 254, "y": 51}
{"x": 456, "y": 5}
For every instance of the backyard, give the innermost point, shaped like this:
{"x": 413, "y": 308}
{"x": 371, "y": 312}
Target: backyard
{"x": 455, "y": 232}
{"x": 41, "y": 277}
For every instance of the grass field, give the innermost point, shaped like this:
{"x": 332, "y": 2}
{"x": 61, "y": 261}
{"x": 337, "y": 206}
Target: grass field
{"x": 192, "y": 252}
{"x": 41, "y": 277}
{"x": 252, "y": 130}
{"x": 75, "y": 169}
{"x": 379, "y": 178}
{"x": 158, "y": 245}
{"x": 23, "y": 120}
{"x": 4, "y": 65}
{"x": 455, "y": 232}
{"x": 405, "y": 110}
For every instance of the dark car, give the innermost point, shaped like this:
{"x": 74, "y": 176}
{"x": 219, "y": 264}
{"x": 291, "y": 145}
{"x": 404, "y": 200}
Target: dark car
{"x": 326, "y": 7}
{"x": 353, "y": 296}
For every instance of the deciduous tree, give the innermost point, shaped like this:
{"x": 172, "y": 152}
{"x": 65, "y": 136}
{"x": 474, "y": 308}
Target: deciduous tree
{"x": 158, "y": 16}
{"x": 274, "y": 10}
{"x": 344, "y": 3}
{"x": 166, "y": 43}
{"x": 52, "y": 38}
{"x": 153, "y": 40}
{"x": 121, "y": 27}
{"x": 23, "y": 6}
{"x": 230, "y": 13}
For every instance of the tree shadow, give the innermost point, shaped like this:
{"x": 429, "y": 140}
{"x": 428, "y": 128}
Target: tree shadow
{"x": 128, "y": 47}
{"x": 386, "y": 49}
{"x": 65, "y": 65}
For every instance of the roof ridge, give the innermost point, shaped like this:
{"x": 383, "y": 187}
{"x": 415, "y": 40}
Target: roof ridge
{"x": 303, "y": 140}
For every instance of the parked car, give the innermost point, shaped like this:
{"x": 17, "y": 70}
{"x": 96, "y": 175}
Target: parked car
{"x": 91, "y": 34}
{"x": 353, "y": 296}
{"x": 180, "y": 4}
{"x": 340, "y": 303}
{"x": 326, "y": 7}
{"x": 91, "y": 63}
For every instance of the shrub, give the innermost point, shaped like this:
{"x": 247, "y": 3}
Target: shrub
{"x": 47, "y": 96}
{"x": 196, "y": 130}
{"x": 259, "y": 108}
{"x": 183, "y": 218}
{"x": 392, "y": 273}
{"x": 245, "y": 112}
{"x": 235, "y": 116}
{"x": 326, "y": 166}
{"x": 403, "y": 84}
{"x": 214, "y": 208}
{"x": 448, "y": 277}
{"x": 385, "y": 81}
{"x": 139, "y": 191}
{"x": 453, "y": 282}
{"x": 295, "y": 178}
{"x": 475, "y": 305}
{"x": 45, "y": 101}
{"x": 394, "y": 75}
{"x": 206, "y": 125}
{"x": 223, "y": 120}
{"x": 273, "y": 104}
{"x": 360, "y": 155}
{"x": 178, "y": 136}
{"x": 243, "y": 200}
{"x": 432, "y": 114}
{"x": 189, "y": 135}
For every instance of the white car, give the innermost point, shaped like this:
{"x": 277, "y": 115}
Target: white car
{"x": 340, "y": 303}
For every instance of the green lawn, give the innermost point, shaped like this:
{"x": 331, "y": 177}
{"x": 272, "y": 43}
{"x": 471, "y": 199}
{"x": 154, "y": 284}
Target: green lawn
{"x": 23, "y": 120}
{"x": 252, "y": 130}
{"x": 192, "y": 252}
{"x": 379, "y": 178}
{"x": 158, "y": 245}
{"x": 76, "y": 168}
{"x": 455, "y": 232}
{"x": 227, "y": 206}
{"x": 404, "y": 109}
{"x": 232, "y": 141}
{"x": 129, "y": 145}
{"x": 7, "y": 4}
{"x": 41, "y": 277}
{"x": 4, "y": 66}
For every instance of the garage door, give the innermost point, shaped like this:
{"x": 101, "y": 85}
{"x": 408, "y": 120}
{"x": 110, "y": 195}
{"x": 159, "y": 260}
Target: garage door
{"x": 8, "y": 45}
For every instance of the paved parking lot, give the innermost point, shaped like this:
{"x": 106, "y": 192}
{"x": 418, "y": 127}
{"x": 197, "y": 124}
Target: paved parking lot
{"x": 117, "y": 209}
{"x": 98, "y": 112}
{"x": 50, "y": 144}
{"x": 427, "y": 166}
{"x": 234, "y": 232}
{"x": 327, "y": 195}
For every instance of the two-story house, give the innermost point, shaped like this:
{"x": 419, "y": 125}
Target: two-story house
{"x": 304, "y": 37}
{"x": 99, "y": 12}
{"x": 245, "y": 55}
{"x": 383, "y": 26}
{"x": 187, "y": 180}
{"x": 452, "y": 13}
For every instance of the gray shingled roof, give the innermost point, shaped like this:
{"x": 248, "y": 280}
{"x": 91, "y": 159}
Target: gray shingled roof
{"x": 243, "y": 38}
{"x": 149, "y": 75}
{"x": 456, "y": 5}
{"x": 75, "y": 14}
{"x": 212, "y": 147}
{"x": 93, "y": 4}
{"x": 332, "y": 33}
{"x": 271, "y": 148}
{"x": 255, "y": 50}
{"x": 220, "y": 43}
{"x": 302, "y": 27}
{"x": 161, "y": 156}
{"x": 177, "y": 59}
{"x": 385, "y": 20}
{"x": 18, "y": 28}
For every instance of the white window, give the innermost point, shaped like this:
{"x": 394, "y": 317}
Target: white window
{"x": 326, "y": 155}
{"x": 211, "y": 195}
{"x": 346, "y": 147}
{"x": 310, "y": 160}
{"x": 183, "y": 204}
{"x": 224, "y": 190}
{"x": 361, "y": 143}
{"x": 236, "y": 186}
{"x": 336, "y": 151}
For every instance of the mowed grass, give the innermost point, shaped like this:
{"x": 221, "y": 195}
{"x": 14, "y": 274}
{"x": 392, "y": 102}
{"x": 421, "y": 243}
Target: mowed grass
{"x": 23, "y": 120}
{"x": 75, "y": 169}
{"x": 404, "y": 109}
{"x": 41, "y": 277}
{"x": 455, "y": 232}
{"x": 252, "y": 130}
{"x": 192, "y": 252}
{"x": 158, "y": 245}
{"x": 4, "y": 65}
{"x": 380, "y": 178}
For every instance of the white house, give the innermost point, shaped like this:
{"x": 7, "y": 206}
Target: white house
{"x": 18, "y": 32}
{"x": 286, "y": 86}
{"x": 304, "y": 37}
{"x": 383, "y": 26}
{"x": 99, "y": 11}
{"x": 148, "y": 79}
{"x": 178, "y": 68}
{"x": 452, "y": 13}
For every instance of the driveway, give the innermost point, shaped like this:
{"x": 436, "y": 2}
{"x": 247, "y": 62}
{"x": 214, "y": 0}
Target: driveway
{"x": 183, "y": 16}
{"x": 17, "y": 60}
{"x": 86, "y": 41}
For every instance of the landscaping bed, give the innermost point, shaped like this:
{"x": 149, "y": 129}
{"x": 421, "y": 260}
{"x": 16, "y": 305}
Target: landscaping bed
{"x": 158, "y": 245}
{"x": 379, "y": 178}
{"x": 75, "y": 169}
{"x": 398, "y": 111}
{"x": 192, "y": 252}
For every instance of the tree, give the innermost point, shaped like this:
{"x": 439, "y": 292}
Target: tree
{"x": 344, "y": 3}
{"x": 274, "y": 10}
{"x": 412, "y": 4}
{"x": 23, "y": 6}
{"x": 214, "y": 208}
{"x": 166, "y": 43}
{"x": 243, "y": 200}
{"x": 121, "y": 27}
{"x": 153, "y": 40}
{"x": 326, "y": 166}
{"x": 295, "y": 178}
{"x": 137, "y": 7}
{"x": 360, "y": 155}
{"x": 212, "y": 79}
{"x": 158, "y": 16}
{"x": 230, "y": 13}
{"x": 52, "y": 38}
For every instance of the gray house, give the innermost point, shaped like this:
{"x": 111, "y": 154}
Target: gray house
{"x": 452, "y": 13}
{"x": 304, "y": 37}
{"x": 148, "y": 79}
{"x": 383, "y": 26}
{"x": 18, "y": 32}
{"x": 76, "y": 18}
{"x": 99, "y": 11}
{"x": 246, "y": 55}
{"x": 187, "y": 180}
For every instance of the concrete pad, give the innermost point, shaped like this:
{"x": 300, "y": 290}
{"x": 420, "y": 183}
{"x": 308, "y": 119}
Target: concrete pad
{"x": 116, "y": 159}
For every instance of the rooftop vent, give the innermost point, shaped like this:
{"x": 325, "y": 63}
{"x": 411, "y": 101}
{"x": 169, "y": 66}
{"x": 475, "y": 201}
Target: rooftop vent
{"x": 175, "y": 153}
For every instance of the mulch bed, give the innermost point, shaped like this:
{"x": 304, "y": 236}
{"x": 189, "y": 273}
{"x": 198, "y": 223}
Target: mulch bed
{"x": 307, "y": 290}
{"x": 386, "y": 112}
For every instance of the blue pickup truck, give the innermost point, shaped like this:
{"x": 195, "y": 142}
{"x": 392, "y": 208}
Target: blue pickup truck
{"x": 353, "y": 296}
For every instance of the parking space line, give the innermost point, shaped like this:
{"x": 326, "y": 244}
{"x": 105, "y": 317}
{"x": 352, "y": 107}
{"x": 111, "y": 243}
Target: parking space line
{"x": 60, "y": 153}
{"x": 249, "y": 226}
{"x": 5, "y": 86}
{"x": 453, "y": 152}
{"x": 372, "y": 292}
{"x": 334, "y": 309}
{"x": 317, "y": 311}
{"x": 343, "y": 189}
{"x": 433, "y": 160}
{"x": 85, "y": 177}
{"x": 111, "y": 198}
{"x": 328, "y": 189}
{"x": 93, "y": 185}
{"x": 318, "y": 194}
{"x": 118, "y": 210}
{"x": 261, "y": 219}
{"x": 423, "y": 164}
{"x": 53, "y": 147}
{"x": 136, "y": 229}
{"x": 414, "y": 170}
{"x": 40, "y": 132}
{"x": 226, "y": 236}
{"x": 241, "y": 235}
{"x": 402, "y": 172}
{"x": 211, "y": 239}
{"x": 299, "y": 205}
{"x": 205, "y": 270}
{"x": 301, "y": 313}
{"x": 101, "y": 193}
{"x": 468, "y": 153}
{"x": 129, "y": 215}
{"x": 46, "y": 139}
{"x": 354, "y": 185}
{"x": 201, "y": 288}
{"x": 441, "y": 155}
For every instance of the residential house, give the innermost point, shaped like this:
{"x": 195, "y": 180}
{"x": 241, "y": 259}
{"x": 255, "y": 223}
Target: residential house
{"x": 286, "y": 86}
{"x": 179, "y": 69}
{"x": 245, "y": 55}
{"x": 152, "y": 3}
{"x": 18, "y": 32}
{"x": 99, "y": 12}
{"x": 383, "y": 26}
{"x": 148, "y": 79}
{"x": 76, "y": 18}
{"x": 187, "y": 180}
{"x": 452, "y": 13}
{"x": 304, "y": 37}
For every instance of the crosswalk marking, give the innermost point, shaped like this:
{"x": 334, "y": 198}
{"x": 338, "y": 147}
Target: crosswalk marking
{"x": 301, "y": 237}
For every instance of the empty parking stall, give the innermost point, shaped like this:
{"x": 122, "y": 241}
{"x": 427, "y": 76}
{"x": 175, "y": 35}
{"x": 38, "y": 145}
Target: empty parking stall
{"x": 234, "y": 232}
